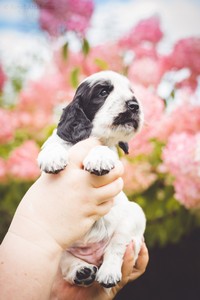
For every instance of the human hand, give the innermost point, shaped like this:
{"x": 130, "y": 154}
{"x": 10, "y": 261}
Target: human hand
{"x": 64, "y": 291}
{"x": 64, "y": 206}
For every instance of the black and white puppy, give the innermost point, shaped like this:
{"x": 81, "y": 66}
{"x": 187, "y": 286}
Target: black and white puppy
{"x": 104, "y": 106}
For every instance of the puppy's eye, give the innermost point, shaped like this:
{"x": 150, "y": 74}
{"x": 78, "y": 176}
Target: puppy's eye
{"x": 103, "y": 92}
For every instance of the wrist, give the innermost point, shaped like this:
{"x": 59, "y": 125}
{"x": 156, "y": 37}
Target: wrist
{"x": 27, "y": 229}
{"x": 30, "y": 259}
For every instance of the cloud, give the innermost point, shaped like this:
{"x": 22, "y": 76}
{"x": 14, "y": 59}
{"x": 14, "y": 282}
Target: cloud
{"x": 179, "y": 18}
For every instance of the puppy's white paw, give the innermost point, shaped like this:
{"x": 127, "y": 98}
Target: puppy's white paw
{"x": 109, "y": 275}
{"x": 52, "y": 159}
{"x": 100, "y": 160}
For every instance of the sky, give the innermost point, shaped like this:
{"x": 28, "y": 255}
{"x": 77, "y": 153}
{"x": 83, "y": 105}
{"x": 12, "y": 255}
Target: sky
{"x": 179, "y": 18}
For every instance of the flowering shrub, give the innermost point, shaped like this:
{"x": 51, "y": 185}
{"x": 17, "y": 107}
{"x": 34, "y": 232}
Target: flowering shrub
{"x": 184, "y": 166}
{"x": 68, "y": 15}
{"x": 162, "y": 171}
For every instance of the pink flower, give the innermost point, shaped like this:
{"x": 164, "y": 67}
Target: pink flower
{"x": 180, "y": 159}
{"x": 145, "y": 71}
{"x": 22, "y": 161}
{"x": 186, "y": 54}
{"x": 184, "y": 118}
{"x": 7, "y": 126}
{"x": 37, "y": 101}
{"x": 190, "y": 83}
{"x": 138, "y": 176}
{"x": 43, "y": 94}
{"x": 145, "y": 51}
{"x": 101, "y": 58}
{"x": 153, "y": 108}
{"x": 56, "y": 17}
{"x": 98, "y": 58}
{"x": 2, "y": 78}
{"x": 145, "y": 31}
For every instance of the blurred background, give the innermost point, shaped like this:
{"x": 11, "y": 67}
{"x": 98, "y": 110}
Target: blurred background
{"x": 46, "y": 48}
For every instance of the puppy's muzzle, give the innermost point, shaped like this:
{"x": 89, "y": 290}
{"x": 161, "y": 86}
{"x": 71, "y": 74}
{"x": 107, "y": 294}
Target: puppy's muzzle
{"x": 130, "y": 116}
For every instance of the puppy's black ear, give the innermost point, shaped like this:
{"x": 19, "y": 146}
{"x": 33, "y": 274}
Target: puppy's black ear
{"x": 74, "y": 125}
{"x": 124, "y": 147}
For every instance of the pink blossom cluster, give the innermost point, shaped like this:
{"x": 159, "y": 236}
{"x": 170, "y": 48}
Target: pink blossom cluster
{"x": 57, "y": 17}
{"x": 7, "y": 125}
{"x": 176, "y": 128}
{"x": 186, "y": 54}
{"x": 98, "y": 59}
{"x": 145, "y": 71}
{"x": 181, "y": 160}
{"x": 36, "y": 103}
{"x": 21, "y": 163}
{"x": 138, "y": 176}
{"x": 184, "y": 118}
{"x": 153, "y": 109}
{"x": 147, "y": 30}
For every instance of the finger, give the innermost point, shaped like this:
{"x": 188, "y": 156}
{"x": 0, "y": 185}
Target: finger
{"x": 143, "y": 258}
{"x": 79, "y": 151}
{"x": 128, "y": 262}
{"x": 108, "y": 191}
{"x": 104, "y": 208}
{"x": 127, "y": 266}
{"x": 141, "y": 263}
{"x": 98, "y": 181}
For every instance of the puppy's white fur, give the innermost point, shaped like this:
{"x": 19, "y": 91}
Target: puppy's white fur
{"x": 126, "y": 221}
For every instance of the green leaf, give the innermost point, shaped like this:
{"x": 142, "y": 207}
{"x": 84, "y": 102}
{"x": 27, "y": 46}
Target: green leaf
{"x": 74, "y": 77}
{"x": 65, "y": 50}
{"x": 102, "y": 64}
{"x": 85, "y": 47}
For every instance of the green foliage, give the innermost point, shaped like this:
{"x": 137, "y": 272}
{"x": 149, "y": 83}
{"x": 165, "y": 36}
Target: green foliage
{"x": 85, "y": 47}
{"x": 11, "y": 195}
{"x": 65, "y": 50}
{"x": 102, "y": 64}
{"x": 74, "y": 77}
{"x": 167, "y": 220}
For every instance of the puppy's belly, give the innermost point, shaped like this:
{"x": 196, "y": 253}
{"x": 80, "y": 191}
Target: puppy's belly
{"x": 91, "y": 253}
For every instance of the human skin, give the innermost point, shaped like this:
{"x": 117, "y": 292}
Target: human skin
{"x": 130, "y": 271}
{"x": 55, "y": 212}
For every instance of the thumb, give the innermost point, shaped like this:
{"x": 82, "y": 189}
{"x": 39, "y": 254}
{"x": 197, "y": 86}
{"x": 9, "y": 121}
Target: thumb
{"x": 79, "y": 151}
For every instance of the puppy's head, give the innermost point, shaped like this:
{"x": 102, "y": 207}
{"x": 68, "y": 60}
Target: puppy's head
{"x": 104, "y": 106}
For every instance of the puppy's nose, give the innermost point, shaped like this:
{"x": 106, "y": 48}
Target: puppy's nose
{"x": 133, "y": 105}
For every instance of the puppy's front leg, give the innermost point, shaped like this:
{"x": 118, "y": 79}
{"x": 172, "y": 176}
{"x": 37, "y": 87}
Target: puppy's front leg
{"x": 100, "y": 160}
{"x": 53, "y": 157}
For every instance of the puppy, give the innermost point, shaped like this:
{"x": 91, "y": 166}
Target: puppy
{"x": 104, "y": 106}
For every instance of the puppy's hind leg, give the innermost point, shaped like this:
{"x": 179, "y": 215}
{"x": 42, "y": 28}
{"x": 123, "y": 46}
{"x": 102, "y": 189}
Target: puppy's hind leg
{"x": 130, "y": 228}
{"x": 77, "y": 271}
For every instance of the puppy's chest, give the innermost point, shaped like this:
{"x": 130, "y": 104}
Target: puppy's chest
{"x": 91, "y": 248}
{"x": 91, "y": 253}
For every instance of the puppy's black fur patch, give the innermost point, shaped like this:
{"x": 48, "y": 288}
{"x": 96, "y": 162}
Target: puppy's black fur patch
{"x": 124, "y": 147}
{"x": 74, "y": 125}
{"x": 127, "y": 117}
{"x": 76, "y": 120}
